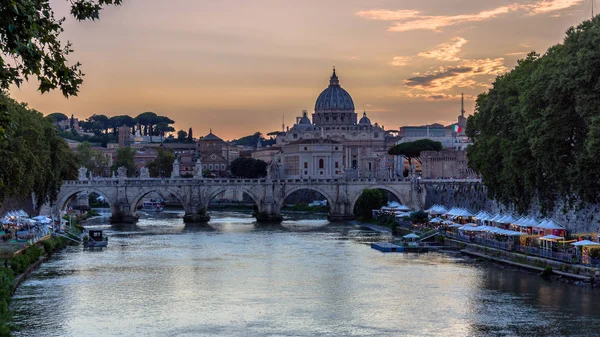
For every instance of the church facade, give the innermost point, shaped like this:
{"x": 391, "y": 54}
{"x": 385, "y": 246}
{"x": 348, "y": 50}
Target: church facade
{"x": 335, "y": 143}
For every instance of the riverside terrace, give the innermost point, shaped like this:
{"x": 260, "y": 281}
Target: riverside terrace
{"x": 543, "y": 238}
{"x": 194, "y": 194}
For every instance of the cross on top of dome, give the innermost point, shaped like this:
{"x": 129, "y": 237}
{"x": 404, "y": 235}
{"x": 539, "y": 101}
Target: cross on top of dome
{"x": 334, "y": 79}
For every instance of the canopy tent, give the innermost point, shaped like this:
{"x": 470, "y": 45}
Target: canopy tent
{"x": 495, "y": 217}
{"x": 394, "y": 206}
{"x": 550, "y": 237}
{"x": 436, "y": 220}
{"x": 402, "y": 215}
{"x": 549, "y": 224}
{"x": 585, "y": 243}
{"x": 507, "y": 219}
{"x": 448, "y": 222}
{"x": 437, "y": 210}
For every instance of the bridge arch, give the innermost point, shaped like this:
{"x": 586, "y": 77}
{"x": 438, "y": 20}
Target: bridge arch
{"x": 65, "y": 197}
{"x": 162, "y": 192}
{"x": 378, "y": 187}
{"x": 289, "y": 192}
{"x": 212, "y": 194}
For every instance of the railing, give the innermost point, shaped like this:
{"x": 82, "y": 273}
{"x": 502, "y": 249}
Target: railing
{"x": 548, "y": 254}
{"x": 228, "y": 181}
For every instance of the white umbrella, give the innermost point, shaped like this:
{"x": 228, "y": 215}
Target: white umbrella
{"x": 585, "y": 243}
{"x": 550, "y": 237}
{"x": 411, "y": 236}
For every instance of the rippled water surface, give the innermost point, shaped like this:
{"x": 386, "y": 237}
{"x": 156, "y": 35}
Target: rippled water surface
{"x": 303, "y": 278}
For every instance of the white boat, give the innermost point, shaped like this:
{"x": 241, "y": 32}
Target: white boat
{"x": 152, "y": 206}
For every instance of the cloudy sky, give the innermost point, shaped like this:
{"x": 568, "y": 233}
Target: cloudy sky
{"x": 240, "y": 66}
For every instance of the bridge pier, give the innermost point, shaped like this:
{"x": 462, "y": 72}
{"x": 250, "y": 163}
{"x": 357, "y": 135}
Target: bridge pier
{"x": 340, "y": 211}
{"x": 122, "y": 213}
{"x": 196, "y": 213}
{"x": 268, "y": 212}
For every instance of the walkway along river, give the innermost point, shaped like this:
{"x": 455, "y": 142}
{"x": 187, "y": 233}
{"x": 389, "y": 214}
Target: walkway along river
{"x": 302, "y": 278}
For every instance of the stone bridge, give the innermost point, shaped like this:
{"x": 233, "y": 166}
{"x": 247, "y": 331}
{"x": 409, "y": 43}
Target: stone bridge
{"x": 125, "y": 194}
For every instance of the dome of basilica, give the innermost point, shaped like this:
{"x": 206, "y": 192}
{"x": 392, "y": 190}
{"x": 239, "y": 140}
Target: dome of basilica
{"x": 334, "y": 98}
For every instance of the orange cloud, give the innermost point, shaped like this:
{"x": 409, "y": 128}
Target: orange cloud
{"x": 552, "y": 5}
{"x": 388, "y": 15}
{"x": 407, "y": 20}
{"x": 440, "y": 97}
{"x": 469, "y": 74}
{"x": 446, "y": 51}
{"x": 400, "y": 61}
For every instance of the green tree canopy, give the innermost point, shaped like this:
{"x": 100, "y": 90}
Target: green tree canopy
{"x": 57, "y": 117}
{"x": 182, "y": 136}
{"x": 248, "y": 168}
{"x": 536, "y": 131}
{"x": 125, "y": 156}
{"x": 412, "y": 150}
{"x": 163, "y": 164}
{"x": 369, "y": 200}
{"x": 34, "y": 158}
{"x": 93, "y": 160}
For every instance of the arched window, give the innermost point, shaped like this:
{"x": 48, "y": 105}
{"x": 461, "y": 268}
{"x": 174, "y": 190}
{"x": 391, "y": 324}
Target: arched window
{"x": 321, "y": 163}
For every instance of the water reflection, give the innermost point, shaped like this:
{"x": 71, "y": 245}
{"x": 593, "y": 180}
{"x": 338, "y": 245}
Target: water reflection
{"x": 233, "y": 277}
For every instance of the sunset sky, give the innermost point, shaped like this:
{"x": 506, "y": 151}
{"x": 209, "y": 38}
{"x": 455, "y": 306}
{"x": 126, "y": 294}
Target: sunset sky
{"x": 237, "y": 66}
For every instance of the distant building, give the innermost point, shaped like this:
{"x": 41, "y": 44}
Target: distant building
{"x": 361, "y": 146}
{"x": 450, "y": 140}
{"x": 124, "y": 136}
{"x": 216, "y": 154}
{"x": 445, "y": 164}
{"x": 305, "y": 158}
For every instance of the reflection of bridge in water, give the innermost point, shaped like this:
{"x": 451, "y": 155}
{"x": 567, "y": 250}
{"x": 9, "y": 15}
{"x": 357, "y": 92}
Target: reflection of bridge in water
{"x": 125, "y": 194}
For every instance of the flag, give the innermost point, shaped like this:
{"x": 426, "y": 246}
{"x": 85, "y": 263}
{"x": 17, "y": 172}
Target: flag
{"x": 456, "y": 128}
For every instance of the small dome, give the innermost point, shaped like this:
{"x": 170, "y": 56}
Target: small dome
{"x": 304, "y": 120}
{"x": 364, "y": 120}
{"x": 334, "y": 98}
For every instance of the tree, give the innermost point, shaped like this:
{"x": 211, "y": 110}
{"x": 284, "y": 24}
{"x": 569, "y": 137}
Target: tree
{"x": 190, "y": 136}
{"x": 147, "y": 119}
{"x": 182, "y": 136}
{"x": 162, "y": 166}
{"x": 93, "y": 160}
{"x": 31, "y": 41}
{"x": 412, "y": 150}
{"x": 248, "y": 168}
{"x": 125, "y": 156}
{"x": 162, "y": 128}
{"x": 419, "y": 217}
{"x": 536, "y": 131}
{"x": 116, "y": 122}
{"x": 34, "y": 158}
{"x": 369, "y": 200}
{"x": 57, "y": 117}
{"x": 99, "y": 122}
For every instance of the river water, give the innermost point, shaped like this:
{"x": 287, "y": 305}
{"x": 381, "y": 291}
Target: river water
{"x": 303, "y": 278}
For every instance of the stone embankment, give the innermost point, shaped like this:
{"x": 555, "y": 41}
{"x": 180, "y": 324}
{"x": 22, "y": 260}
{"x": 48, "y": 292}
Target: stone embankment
{"x": 532, "y": 263}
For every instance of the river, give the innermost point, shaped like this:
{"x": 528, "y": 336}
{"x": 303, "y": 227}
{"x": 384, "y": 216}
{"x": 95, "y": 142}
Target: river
{"x": 303, "y": 278}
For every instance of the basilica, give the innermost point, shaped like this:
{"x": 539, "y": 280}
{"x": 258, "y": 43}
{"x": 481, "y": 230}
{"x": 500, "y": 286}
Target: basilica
{"x": 335, "y": 143}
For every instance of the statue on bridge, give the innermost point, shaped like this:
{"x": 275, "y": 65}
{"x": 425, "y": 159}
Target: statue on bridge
{"x": 273, "y": 168}
{"x": 198, "y": 168}
{"x": 122, "y": 172}
{"x": 82, "y": 175}
{"x": 175, "y": 172}
{"x": 144, "y": 173}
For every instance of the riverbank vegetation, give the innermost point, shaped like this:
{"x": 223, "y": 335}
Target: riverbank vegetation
{"x": 536, "y": 132}
{"x": 369, "y": 200}
{"x": 34, "y": 158}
